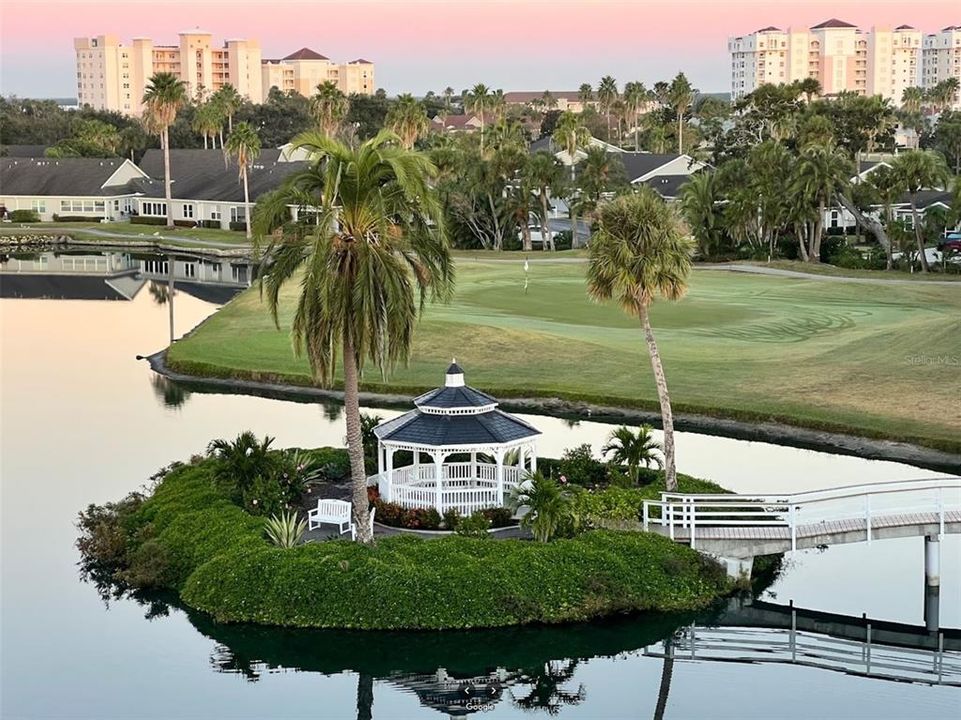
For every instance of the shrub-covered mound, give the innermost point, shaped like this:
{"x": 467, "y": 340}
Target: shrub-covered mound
{"x": 189, "y": 537}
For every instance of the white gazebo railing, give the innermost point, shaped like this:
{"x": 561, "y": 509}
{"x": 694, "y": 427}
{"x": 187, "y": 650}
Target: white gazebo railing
{"x": 465, "y": 486}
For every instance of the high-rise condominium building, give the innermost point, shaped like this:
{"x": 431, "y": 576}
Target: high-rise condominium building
{"x": 942, "y": 59}
{"x": 113, "y": 76}
{"x": 837, "y": 54}
{"x": 305, "y": 69}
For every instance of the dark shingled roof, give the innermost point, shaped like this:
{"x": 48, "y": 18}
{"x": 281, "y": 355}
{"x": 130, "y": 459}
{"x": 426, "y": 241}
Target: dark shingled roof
{"x": 454, "y": 397}
{"x": 58, "y": 287}
{"x": 360, "y": 61}
{"x": 770, "y": 28}
{"x": 904, "y": 27}
{"x": 79, "y": 177}
{"x": 306, "y": 54}
{"x": 201, "y": 175}
{"x": 667, "y": 186}
{"x": 832, "y": 23}
{"x": 443, "y": 430}
{"x": 24, "y": 151}
{"x": 637, "y": 164}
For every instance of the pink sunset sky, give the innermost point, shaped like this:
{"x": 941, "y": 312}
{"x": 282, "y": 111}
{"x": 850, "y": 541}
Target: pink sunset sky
{"x": 420, "y": 46}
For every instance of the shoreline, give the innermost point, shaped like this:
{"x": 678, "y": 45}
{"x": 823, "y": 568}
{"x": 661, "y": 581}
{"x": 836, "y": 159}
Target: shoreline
{"x": 769, "y": 432}
{"x": 39, "y": 242}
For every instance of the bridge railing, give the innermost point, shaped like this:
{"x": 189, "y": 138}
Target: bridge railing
{"x": 687, "y": 512}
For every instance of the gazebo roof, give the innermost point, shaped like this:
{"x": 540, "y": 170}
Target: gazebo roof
{"x": 455, "y": 414}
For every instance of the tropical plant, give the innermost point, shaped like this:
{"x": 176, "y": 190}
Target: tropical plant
{"x": 635, "y": 97}
{"x": 585, "y": 93}
{"x": 207, "y": 122}
{"x": 633, "y": 449}
{"x": 681, "y": 96}
{"x": 546, "y": 502}
{"x": 243, "y": 144}
{"x": 328, "y": 107}
{"x": 821, "y": 174}
{"x": 164, "y": 95}
{"x": 478, "y": 101}
{"x": 607, "y": 94}
{"x": 811, "y": 87}
{"x": 285, "y": 531}
{"x": 571, "y": 135}
{"x": 600, "y": 172}
{"x": 638, "y": 253}
{"x": 228, "y": 101}
{"x": 378, "y": 243}
{"x": 915, "y": 171}
{"x": 544, "y": 177}
{"x": 408, "y": 120}
{"x": 700, "y": 207}
{"x": 240, "y": 461}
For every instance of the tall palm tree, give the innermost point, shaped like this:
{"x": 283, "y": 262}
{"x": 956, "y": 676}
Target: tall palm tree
{"x": 448, "y": 94}
{"x": 585, "y": 93}
{"x": 407, "y": 119}
{"x": 543, "y": 176}
{"x": 635, "y": 95}
{"x": 811, "y": 88}
{"x": 822, "y": 172}
{"x": 885, "y": 185}
{"x": 681, "y": 96}
{"x": 639, "y": 252}
{"x": 244, "y": 145}
{"x": 607, "y": 94}
{"x": 230, "y": 101}
{"x": 700, "y": 199}
{"x": 378, "y": 245}
{"x": 912, "y": 98}
{"x": 570, "y": 134}
{"x": 328, "y": 107}
{"x": 633, "y": 449}
{"x": 548, "y": 100}
{"x": 477, "y": 101}
{"x": 915, "y": 171}
{"x": 207, "y": 122}
{"x": 164, "y": 95}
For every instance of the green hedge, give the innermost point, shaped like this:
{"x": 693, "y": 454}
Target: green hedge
{"x": 24, "y": 216}
{"x": 215, "y": 555}
{"x": 76, "y": 218}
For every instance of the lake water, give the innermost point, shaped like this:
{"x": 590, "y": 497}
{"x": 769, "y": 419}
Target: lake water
{"x": 83, "y": 421}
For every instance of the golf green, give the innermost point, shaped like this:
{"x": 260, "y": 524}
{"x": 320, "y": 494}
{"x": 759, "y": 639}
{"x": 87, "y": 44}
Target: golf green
{"x": 868, "y": 358}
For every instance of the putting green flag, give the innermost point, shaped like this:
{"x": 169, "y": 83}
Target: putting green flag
{"x": 527, "y": 269}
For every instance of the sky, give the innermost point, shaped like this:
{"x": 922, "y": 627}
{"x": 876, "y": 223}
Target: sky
{"x": 420, "y": 46}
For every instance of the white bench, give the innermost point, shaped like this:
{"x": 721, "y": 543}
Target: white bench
{"x": 335, "y": 512}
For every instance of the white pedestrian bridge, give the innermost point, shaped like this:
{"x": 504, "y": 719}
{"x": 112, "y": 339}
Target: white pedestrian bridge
{"x": 749, "y": 525}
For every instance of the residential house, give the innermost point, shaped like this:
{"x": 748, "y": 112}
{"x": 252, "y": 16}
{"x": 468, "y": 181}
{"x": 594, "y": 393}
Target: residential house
{"x": 93, "y": 188}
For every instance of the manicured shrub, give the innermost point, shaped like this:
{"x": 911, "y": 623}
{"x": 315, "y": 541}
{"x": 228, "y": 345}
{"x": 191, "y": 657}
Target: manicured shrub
{"x": 475, "y": 525}
{"x": 24, "y": 216}
{"x": 241, "y": 226}
{"x": 144, "y": 220}
{"x": 579, "y": 466}
{"x": 73, "y": 218}
{"x": 500, "y": 517}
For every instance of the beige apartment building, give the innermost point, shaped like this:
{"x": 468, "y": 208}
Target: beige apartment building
{"x": 112, "y": 76}
{"x": 942, "y": 59}
{"x": 837, "y": 54}
{"x": 305, "y": 69}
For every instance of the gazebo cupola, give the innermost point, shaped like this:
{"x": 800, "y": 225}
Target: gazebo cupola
{"x": 466, "y": 454}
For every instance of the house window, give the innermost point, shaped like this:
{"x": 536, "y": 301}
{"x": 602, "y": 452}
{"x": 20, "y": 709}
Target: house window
{"x": 190, "y": 270}
{"x": 215, "y": 214}
{"x": 153, "y": 208}
{"x": 188, "y": 211}
{"x": 155, "y": 267}
{"x": 39, "y": 206}
{"x": 238, "y": 214}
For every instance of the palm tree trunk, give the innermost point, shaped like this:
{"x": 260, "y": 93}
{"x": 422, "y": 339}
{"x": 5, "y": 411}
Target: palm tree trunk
{"x": 917, "y": 236}
{"x": 526, "y": 234}
{"x": 667, "y": 417}
{"x": 365, "y": 696}
{"x": 667, "y": 673}
{"x": 205, "y": 141}
{"x": 680, "y": 133}
{"x": 165, "y": 141}
{"x": 230, "y": 123}
{"x": 355, "y": 444}
{"x": 246, "y": 204}
{"x": 547, "y": 237}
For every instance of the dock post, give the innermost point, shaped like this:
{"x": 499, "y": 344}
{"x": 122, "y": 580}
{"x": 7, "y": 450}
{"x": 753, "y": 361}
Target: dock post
{"x": 932, "y": 583}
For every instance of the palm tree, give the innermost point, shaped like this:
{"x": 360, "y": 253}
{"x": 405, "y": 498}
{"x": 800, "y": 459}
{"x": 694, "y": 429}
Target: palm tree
{"x": 378, "y": 244}
{"x": 164, "y": 95}
{"x": 548, "y": 101}
{"x": 885, "y": 185}
{"x": 244, "y": 145}
{"x": 917, "y": 170}
{"x": 639, "y": 252}
{"x": 477, "y": 101}
{"x": 700, "y": 207}
{"x": 329, "y": 106}
{"x": 607, "y": 94}
{"x": 408, "y": 120}
{"x": 547, "y": 505}
{"x": 821, "y": 173}
{"x": 585, "y": 93}
{"x": 635, "y": 95}
{"x": 681, "y": 96}
{"x": 229, "y": 101}
{"x": 912, "y": 98}
{"x": 811, "y": 87}
{"x": 448, "y": 94}
{"x": 543, "y": 176}
{"x": 571, "y": 135}
{"x": 633, "y": 449}
{"x": 207, "y": 122}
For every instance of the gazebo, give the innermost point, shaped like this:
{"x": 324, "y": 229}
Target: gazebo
{"x": 466, "y": 454}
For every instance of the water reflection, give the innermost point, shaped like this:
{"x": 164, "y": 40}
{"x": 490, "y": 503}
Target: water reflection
{"x": 171, "y": 394}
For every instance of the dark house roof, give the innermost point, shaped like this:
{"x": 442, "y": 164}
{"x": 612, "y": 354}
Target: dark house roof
{"x": 667, "y": 186}
{"x": 79, "y": 177}
{"x": 201, "y": 175}
{"x": 306, "y": 54}
{"x": 832, "y": 23}
{"x": 926, "y": 198}
{"x": 770, "y": 28}
{"x": 639, "y": 164}
{"x": 543, "y": 143}
{"x": 434, "y": 430}
{"x": 360, "y": 61}
{"x": 23, "y": 151}
{"x": 904, "y": 27}
{"x": 58, "y": 287}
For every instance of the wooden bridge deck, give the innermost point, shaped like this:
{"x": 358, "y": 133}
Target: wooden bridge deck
{"x": 770, "y": 531}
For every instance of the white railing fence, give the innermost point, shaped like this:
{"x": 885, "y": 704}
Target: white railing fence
{"x": 686, "y": 512}
{"x": 464, "y": 487}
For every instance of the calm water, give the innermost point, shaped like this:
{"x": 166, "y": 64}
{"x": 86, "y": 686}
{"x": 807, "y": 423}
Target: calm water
{"x": 83, "y": 421}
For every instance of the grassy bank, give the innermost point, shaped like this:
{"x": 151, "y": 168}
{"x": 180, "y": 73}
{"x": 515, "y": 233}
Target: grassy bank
{"x": 188, "y": 537}
{"x": 120, "y": 232}
{"x": 872, "y": 360}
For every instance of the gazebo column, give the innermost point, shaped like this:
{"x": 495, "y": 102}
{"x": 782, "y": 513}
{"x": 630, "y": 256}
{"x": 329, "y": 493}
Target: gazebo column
{"x": 499, "y": 459}
{"x": 473, "y": 468}
{"x": 439, "y": 479}
{"x": 416, "y": 478}
{"x": 389, "y": 451}
{"x": 533, "y": 449}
